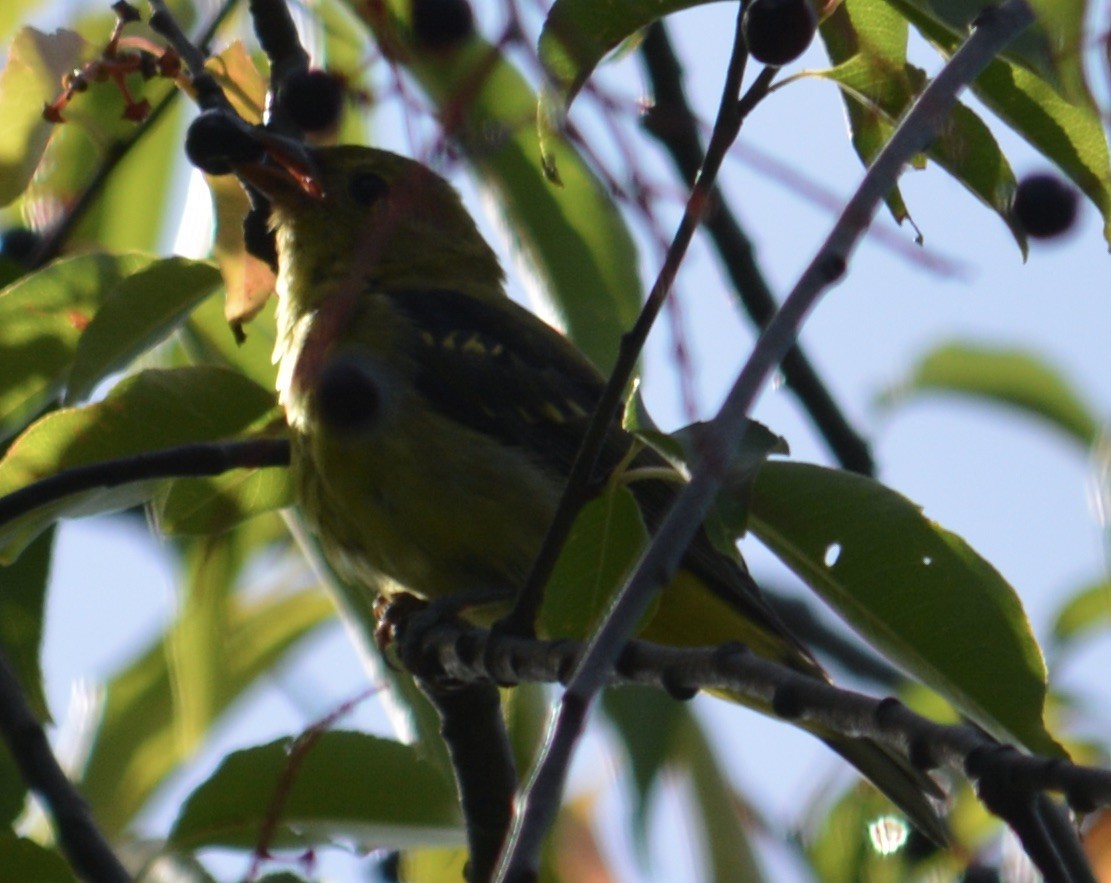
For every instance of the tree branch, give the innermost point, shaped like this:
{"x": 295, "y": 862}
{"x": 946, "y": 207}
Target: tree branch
{"x": 183, "y": 461}
{"x": 671, "y": 121}
{"x": 88, "y": 851}
{"x": 536, "y": 807}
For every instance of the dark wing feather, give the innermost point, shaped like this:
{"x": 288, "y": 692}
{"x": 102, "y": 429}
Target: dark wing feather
{"x": 500, "y": 370}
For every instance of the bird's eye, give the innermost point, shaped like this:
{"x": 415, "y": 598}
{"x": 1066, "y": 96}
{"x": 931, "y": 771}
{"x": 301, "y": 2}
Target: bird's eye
{"x": 366, "y": 188}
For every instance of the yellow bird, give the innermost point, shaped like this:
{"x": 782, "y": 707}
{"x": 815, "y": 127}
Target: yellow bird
{"x": 434, "y": 420}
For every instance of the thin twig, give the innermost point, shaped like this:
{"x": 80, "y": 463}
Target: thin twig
{"x": 183, "y": 461}
{"x": 537, "y": 805}
{"x": 672, "y": 122}
{"x": 57, "y": 237}
{"x": 731, "y": 114}
{"x": 87, "y": 850}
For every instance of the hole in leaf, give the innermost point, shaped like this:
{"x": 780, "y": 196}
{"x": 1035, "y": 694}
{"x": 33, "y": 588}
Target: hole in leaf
{"x": 927, "y": 560}
{"x": 833, "y": 552}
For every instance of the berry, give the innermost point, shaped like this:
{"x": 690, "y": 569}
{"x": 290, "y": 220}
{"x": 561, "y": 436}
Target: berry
{"x": 440, "y": 24}
{"x": 215, "y": 142}
{"x": 778, "y": 31}
{"x": 20, "y": 244}
{"x": 1045, "y": 206}
{"x": 348, "y": 397}
{"x": 313, "y": 99}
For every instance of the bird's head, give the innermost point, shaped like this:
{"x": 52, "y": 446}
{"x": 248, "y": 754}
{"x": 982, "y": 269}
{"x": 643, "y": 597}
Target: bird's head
{"x": 367, "y": 218}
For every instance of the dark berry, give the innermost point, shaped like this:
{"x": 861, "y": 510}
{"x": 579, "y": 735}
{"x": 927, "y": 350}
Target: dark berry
{"x": 778, "y": 31}
{"x": 348, "y": 398}
{"x": 20, "y": 244}
{"x": 1045, "y": 206}
{"x": 215, "y": 142}
{"x": 441, "y": 24}
{"x": 312, "y": 99}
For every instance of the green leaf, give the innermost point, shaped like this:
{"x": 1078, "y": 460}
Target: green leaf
{"x": 728, "y": 517}
{"x": 604, "y": 543}
{"x": 23, "y": 585}
{"x": 32, "y": 71}
{"x": 208, "y": 339}
{"x": 132, "y": 212}
{"x": 647, "y": 723}
{"x": 1011, "y": 377}
{"x": 148, "y": 411}
{"x": 578, "y": 34}
{"x": 202, "y": 506}
{"x": 1088, "y": 609}
{"x": 42, "y": 318}
{"x": 573, "y": 237}
{"x": 858, "y": 838}
{"x": 1051, "y": 49}
{"x": 914, "y": 590}
{"x": 868, "y": 40}
{"x": 730, "y": 854}
{"x": 26, "y": 860}
{"x": 1067, "y": 132}
{"x": 375, "y": 793}
{"x": 143, "y": 738}
{"x": 144, "y": 308}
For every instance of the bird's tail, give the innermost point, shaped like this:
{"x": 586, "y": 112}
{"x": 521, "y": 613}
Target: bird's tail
{"x": 690, "y": 613}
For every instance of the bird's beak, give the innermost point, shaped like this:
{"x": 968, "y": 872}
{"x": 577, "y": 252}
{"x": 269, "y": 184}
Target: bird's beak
{"x": 286, "y": 172}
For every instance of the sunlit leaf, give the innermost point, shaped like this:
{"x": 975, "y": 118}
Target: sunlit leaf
{"x": 30, "y": 79}
{"x": 208, "y": 339}
{"x": 195, "y": 506}
{"x": 42, "y": 318}
{"x": 914, "y": 590}
{"x": 144, "y": 308}
{"x": 148, "y": 411}
{"x": 141, "y": 739}
{"x": 872, "y": 37}
{"x": 1005, "y": 376}
{"x": 1067, "y": 132}
{"x": 867, "y": 39}
{"x": 338, "y": 785}
{"x": 1051, "y": 49}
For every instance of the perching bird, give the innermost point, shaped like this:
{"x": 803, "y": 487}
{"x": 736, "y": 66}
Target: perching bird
{"x": 434, "y": 420}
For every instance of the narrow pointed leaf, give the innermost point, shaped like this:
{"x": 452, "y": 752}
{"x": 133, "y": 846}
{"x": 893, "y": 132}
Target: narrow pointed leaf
{"x": 915, "y": 591}
{"x": 1011, "y": 377}
{"x": 149, "y": 411}
{"x": 144, "y": 309}
{"x": 340, "y": 785}
{"x": 141, "y": 740}
{"x": 42, "y": 318}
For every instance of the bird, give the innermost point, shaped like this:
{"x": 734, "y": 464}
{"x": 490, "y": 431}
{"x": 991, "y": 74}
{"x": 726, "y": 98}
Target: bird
{"x": 433, "y": 420}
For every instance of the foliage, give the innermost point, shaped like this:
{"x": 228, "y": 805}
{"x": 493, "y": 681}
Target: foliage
{"x": 111, "y": 347}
